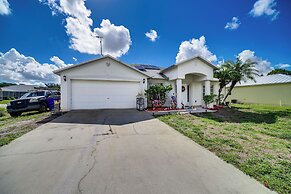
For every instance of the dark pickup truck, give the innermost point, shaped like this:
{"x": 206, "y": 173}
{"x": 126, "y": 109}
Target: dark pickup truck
{"x": 33, "y": 101}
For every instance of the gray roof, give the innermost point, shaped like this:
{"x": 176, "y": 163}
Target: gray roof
{"x": 155, "y": 74}
{"x": 19, "y": 88}
{"x": 269, "y": 79}
{"x": 151, "y": 70}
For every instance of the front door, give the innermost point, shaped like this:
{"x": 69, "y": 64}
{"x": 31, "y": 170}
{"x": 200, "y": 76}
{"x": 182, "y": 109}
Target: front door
{"x": 185, "y": 94}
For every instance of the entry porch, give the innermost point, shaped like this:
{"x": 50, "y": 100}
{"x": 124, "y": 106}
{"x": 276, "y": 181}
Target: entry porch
{"x": 190, "y": 90}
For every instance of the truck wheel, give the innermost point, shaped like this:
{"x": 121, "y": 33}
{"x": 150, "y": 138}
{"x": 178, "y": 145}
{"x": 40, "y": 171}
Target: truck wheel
{"x": 15, "y": 114}
{"x": 42, "y": 108}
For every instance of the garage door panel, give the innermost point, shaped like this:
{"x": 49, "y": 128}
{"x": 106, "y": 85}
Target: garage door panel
{"x": 103, "y": 94}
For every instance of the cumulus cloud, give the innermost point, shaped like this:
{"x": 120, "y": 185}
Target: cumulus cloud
{"x": 57, "y": 61}
{"x": 116, "y": 39}
{"x": 194, "y": 47}
{"x": 152, "y": 35}
{"x": 265, "y": 7}
{"x": 233, "y": 25}
{"x": 4, "y": 7}
{"x": 283, "y": 65}
{"x": 263, "y": 66}
{"x": 18, "y": 68}
{"x": 83, "y": 37}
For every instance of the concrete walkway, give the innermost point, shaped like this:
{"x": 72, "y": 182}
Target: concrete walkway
{"x": 115, "y": 151}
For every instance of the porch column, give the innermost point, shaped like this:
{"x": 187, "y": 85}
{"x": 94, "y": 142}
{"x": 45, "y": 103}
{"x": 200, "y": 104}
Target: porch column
{"x": 216, "y": 88}
{"x": 207, "y": 87}
{"x": 179, "y": 92}
{"x": 207, "y": 91}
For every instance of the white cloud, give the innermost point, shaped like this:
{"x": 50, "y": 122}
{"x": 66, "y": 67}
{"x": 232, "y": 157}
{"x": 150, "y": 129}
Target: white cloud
{"x": 283, "y": 66}
{"x": 193, "y": 48}
{"x": 152, "y": 35}
{"x": 116, "y": 39}
{"x": 75, "y": 59}
{"x": 17, "y": 68}
{"x": 233, "y": 25}
{"x": 52, "y": 5}
{"x": 263, "y": 66}
{"x": 265, "y": 7}
{"x": 4, "y": 7}
{"x": 57, "y": 61}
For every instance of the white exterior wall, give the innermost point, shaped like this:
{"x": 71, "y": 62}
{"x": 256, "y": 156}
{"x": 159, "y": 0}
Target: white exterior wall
{"x": 172, "y": 74}
{"x": 65, "y": 93}
{"x": 104, "y": 69}
{"x": 195, "y": 66}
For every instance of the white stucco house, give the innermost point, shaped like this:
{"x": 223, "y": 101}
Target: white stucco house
{"x": 109, "y": 83}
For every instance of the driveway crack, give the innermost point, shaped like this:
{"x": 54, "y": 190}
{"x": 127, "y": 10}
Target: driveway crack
{"x": 106, "y": 136}
{"x": 93, "y": 165}
{"x": 134, "y": 129}
{"x": 86, "y": 174}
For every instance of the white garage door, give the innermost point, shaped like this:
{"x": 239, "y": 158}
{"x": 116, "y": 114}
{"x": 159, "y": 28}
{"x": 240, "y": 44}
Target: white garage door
{"x": 103, "y": 94}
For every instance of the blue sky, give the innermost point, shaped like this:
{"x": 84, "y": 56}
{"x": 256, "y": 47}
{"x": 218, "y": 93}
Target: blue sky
{"x": 48, "y": 34}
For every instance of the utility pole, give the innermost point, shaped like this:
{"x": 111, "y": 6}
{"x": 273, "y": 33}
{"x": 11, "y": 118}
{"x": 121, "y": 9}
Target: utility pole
{"x": 100, "y": 38}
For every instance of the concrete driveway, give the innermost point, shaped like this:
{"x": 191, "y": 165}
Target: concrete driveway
{"x": 115, "y": 151}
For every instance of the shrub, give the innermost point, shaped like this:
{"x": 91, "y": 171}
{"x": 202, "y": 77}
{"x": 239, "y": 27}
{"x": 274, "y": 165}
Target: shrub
{"x": 208, "y": 99}
{"x": 158, "y": 92}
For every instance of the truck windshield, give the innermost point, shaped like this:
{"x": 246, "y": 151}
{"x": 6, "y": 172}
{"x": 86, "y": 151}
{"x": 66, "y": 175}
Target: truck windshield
{"x": 33, "y": 94}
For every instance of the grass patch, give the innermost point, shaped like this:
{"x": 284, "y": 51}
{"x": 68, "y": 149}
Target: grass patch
{"x": 254, "y": 138}
{"x": 14, "y": 127}
{"x": 4, "y": 101}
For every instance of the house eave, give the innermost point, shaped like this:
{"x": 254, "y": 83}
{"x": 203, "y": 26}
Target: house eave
{"x": 59, "y": 71}
{"x": 186, "y": 60}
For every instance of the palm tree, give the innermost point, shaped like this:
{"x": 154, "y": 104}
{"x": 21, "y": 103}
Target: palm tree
{"x": 240, "y": 71}
{"x": 223, "y": 75}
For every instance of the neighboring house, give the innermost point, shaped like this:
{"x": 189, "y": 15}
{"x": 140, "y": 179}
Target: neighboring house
{"x": 109, "y": 83}
{"x": 272, "y": 89}
{"x": 15, "y": 91}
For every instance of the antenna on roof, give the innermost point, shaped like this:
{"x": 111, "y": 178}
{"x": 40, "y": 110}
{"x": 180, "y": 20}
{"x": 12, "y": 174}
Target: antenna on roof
{"x": 100, "y": 38}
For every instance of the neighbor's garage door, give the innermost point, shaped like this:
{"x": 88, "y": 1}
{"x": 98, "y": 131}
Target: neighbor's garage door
{"x": 87, "y": 94}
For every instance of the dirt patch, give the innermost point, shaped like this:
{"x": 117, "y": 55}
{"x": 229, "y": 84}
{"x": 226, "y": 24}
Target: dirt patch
{"x": 12, "y": 128}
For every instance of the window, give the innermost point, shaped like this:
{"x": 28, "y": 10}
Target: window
{"x": 203, "y": 90}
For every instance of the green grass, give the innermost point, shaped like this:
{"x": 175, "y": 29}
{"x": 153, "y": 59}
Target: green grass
{"x": 4, "y": 101}
{"x": 14, "y": 127}
{"x": 254, "y": 138}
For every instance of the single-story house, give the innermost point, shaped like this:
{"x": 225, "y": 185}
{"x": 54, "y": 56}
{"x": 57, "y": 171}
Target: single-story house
{"x": 15, "y": 91}
{"x": 109, "y": 83}
{"x": 272, "y": 89}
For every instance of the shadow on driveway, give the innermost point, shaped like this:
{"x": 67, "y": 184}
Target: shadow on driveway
{"x": 104, "y": 116}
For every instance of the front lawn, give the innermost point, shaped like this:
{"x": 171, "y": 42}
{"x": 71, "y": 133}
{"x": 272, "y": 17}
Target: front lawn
{"x": 254, "y": 138}
{"x": 14, "y": 127}
{"x": 4, "y": 101}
